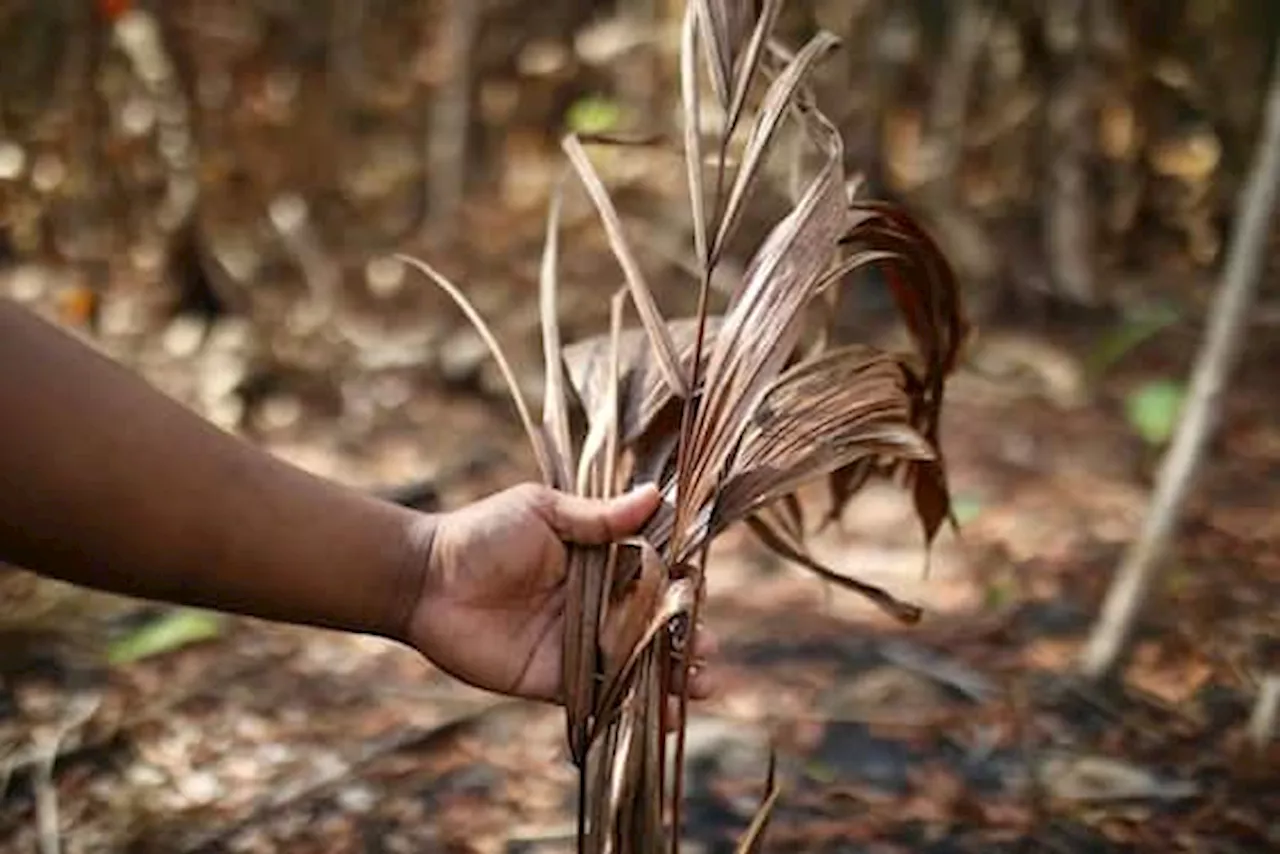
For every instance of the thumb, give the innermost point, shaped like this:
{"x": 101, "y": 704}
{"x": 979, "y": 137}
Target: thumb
{"x": 593, "y": 521}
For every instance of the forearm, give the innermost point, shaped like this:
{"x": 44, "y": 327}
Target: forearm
{"x": 106, "y": 483}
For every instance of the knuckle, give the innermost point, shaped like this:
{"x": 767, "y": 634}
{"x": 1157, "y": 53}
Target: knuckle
{"x": 534, "y": 495}
{"x": 546, "y": 503}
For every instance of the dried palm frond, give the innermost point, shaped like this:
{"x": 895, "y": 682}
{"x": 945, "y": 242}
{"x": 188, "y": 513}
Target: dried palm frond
{"x": 730, "y": 415}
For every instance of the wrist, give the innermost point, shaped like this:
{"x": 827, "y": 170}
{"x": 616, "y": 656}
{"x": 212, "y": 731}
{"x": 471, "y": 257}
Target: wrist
{"x": 411, "y": 582}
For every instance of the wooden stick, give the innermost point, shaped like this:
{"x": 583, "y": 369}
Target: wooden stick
{"x": 1218, "y": 355}
{"x": 1262, "y": 724}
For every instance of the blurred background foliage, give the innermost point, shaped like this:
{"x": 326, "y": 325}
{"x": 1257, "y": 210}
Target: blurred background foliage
{"x": 1062, "y": 149}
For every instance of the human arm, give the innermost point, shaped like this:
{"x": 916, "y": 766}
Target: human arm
{"x": 111, "y": 485}
{"x": 106, "y": 483}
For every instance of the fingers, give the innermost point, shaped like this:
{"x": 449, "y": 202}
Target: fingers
{"x": 701, "y": 687}
{"x": 593, "y": 521}
{"x": 701, "y": 681}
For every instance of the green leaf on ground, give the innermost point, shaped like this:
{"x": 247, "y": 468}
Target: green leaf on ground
{"x": 999, "y": 593}
{"x": 169, "y": 632}
{"x": 1153, "y": 410}
{"x": 1135, "y": 330}
{"x": 594, "y": 114}
{"x": 820, "y": 772}
{"x": 966, "y": 508}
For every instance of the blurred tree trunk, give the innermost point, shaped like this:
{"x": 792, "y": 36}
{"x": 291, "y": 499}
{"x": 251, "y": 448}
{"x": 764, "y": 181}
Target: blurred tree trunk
{"x": 969, "y": 24}
{"x": 1069, "y": 207}
{"x": 451, "y": 115}
{"x": 1223, "y": 342}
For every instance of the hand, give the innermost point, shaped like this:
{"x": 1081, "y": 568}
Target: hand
{"x": 491, "y": 611}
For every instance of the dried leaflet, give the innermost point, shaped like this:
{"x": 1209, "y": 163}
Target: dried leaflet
{"x": 728, "y": 415}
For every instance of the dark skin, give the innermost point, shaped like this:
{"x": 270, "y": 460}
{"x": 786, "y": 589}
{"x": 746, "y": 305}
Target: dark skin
{"x": 111, "y": 485}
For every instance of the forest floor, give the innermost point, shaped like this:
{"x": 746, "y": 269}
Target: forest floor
{"x": 965, "y": 733}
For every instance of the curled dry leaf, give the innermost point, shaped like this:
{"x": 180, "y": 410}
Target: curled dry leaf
{"x": 777, "y": 101}
{"x": 730, "y": 414}
{"x": 642, "y": 389}
{"x": 555, "y": 406}
{"x": 640, "y": 614}
{"x": 753, "y": 840}
{"x": 821, "y": 416}
{"x": 659, "y": 335}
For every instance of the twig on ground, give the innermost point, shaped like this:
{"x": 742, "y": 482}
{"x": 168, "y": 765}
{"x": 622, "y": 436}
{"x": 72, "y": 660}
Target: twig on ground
{"x": 952, "y": 673}
{"x": 48, "y": 837}
{"x": 1262, "y": 724}
{"x": 1022, "y": 707}
{"x": 1219, "y": 352}
{"x": 323, "y": 783}
{"x": 10, "y": 756}
{"x": 47, "y": 749}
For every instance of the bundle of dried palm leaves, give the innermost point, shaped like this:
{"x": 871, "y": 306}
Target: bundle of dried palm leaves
{"x": 730, "y": 414}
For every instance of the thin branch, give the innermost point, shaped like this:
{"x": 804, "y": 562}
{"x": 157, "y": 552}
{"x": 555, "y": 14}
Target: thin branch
{"x": 1218, "y": 355}
{"x": 47, "y": 751}
{"x": 458, "y": 716}
{"x": 1262, "y": 724}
